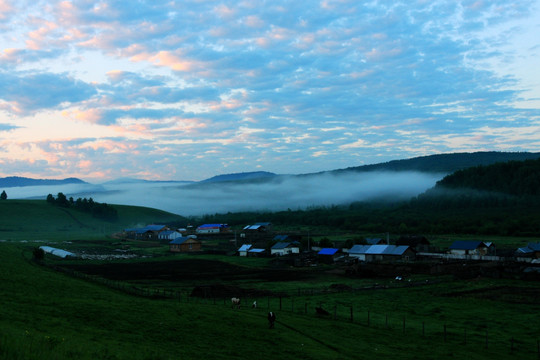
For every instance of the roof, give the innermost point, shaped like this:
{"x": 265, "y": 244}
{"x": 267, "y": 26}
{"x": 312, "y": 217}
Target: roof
{"x": 466, "y": 245}
{"x": 359, "y": 249}
{"x": 328, "y": 251}
{"x": 379, "y": 249}
{"x": 245, "y": 247}
{"x": 530, "y": 248}
{"x": 534, "y": 246}
{"x": 284, "y": 245}
{"x": 253, "y": 227}
{"x": 211, "y": 226}
{"x": 154, "y": 227}
{"x": 256, "y": 251}
{"x": 57, "y": 252}
{"x": 281, "y": 237}
{"x": 179, "y": 240}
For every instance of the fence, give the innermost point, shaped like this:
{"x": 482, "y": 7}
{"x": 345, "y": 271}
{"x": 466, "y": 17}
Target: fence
{"x": 303, "y": 303}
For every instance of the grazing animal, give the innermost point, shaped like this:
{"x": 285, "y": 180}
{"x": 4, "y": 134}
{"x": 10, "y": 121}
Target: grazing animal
{"x": 235, "y": 303}
{"x": 271, "y": 319}
{"x": 254, "y": 305}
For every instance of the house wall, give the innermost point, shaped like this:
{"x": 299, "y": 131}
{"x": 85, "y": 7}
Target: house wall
{"x": 208, "y": 231}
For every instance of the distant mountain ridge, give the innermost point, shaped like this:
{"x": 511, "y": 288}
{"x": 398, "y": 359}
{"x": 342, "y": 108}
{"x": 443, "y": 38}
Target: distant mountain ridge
{"x": 17, "y": 181}
{"x": 240, "y": 176}
{"x": 444, "y": 163}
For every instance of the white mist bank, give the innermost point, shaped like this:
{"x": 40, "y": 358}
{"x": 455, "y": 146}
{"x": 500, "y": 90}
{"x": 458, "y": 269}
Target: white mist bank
{"x": 282, "y": 193}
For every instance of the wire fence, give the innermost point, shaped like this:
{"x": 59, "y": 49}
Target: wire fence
{"x": 304, "y": 302}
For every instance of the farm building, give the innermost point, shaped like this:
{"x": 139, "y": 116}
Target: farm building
{"x": 185, "y": 244}
{"x": 258, "y": 227}
{"x": 213, "y": 229}
{"x": 284, "y": 248}
{"x": 462, "y": 247}
{"x": 532, "y": 250}
{"x": 327, "y": 255}
{"x": 415, "y": 242}
{"x": 382, "y": 253}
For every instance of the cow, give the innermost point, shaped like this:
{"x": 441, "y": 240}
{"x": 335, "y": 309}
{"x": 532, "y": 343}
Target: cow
{"x": 254, "y": 305}
{"x": 271, "y": 319}
{"x": 235, "y": 303}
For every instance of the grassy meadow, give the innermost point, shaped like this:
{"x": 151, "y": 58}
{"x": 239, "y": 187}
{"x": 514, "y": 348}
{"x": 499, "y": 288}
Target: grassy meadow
{"x": 46, "y": 314}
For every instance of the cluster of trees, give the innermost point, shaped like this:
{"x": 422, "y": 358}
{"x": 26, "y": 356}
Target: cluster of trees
{"x": 98, "y": 210}
{"x": 3, "y": 196}
{"x": 519, "y": 178}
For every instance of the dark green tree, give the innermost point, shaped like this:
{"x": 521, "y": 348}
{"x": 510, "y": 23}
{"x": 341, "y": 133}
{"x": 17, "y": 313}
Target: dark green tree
{"x": 3, "y": 196}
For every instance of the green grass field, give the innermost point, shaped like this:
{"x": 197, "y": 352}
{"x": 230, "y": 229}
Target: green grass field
{"x": 46, "y": 314}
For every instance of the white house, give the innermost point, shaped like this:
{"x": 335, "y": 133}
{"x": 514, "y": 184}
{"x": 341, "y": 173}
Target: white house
{"x": 243, "y": 251}
{"x": 284, "y": 248}
{"x": 169, "y": 235}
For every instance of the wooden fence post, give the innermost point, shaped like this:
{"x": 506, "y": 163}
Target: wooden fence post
{"x": 444, "y": 332}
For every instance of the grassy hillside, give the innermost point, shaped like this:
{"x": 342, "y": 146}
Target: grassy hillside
{"x": 48, "y": 315}
{"x": 38, "y": 220}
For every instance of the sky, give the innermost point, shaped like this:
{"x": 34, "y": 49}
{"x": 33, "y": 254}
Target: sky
{"x": 185, "y": 90}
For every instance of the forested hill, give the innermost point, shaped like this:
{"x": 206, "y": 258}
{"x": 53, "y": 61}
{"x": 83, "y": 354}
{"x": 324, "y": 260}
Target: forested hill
{"x": 521, "y": 178}
{"x": 446, "y": 163}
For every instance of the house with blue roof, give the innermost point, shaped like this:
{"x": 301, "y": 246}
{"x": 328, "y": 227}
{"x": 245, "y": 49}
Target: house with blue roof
{"x": 327, "y": 255}
{"x": 532, "y": 250}
{"x": 464, "y": 247}
{"x": 285, "y": 248}
{"x": 149, "y": 232}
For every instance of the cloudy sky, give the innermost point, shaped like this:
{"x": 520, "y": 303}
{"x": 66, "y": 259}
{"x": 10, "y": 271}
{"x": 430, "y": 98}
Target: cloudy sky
{"x": 184, "y": 90}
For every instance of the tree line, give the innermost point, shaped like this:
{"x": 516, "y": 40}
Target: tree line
{"x": 499, "y": 199}
{"x": 98, "y": 210}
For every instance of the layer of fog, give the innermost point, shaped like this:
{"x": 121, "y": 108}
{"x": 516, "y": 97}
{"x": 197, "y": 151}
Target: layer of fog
{"x": 280, "y": 193}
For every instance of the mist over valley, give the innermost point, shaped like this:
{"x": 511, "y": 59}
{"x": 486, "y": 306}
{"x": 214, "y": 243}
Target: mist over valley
{"x": 269, "y": 194}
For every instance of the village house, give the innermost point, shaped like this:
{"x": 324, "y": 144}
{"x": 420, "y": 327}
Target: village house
{"x": 149, "y": 232}
{"x": 382, "y": 253}
{"x": 169, "y": 235}
{"x": 463, "y": 247}
{"x": 213, "y": 229}
{"x": 532, "y": 250}
{"x": 328, "y": 255}
{"x": 185, "y": 244}
{"x": 285, "y": 248}
{"x": 258, "y": 227}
